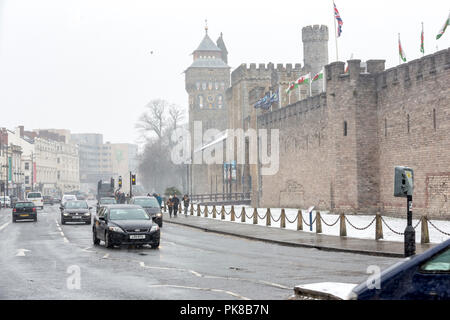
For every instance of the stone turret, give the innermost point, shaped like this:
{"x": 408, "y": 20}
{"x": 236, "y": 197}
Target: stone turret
{"x": 315, "y": 51}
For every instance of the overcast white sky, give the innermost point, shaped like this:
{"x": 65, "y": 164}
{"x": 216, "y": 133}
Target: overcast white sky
{"x": 86, "y": 65}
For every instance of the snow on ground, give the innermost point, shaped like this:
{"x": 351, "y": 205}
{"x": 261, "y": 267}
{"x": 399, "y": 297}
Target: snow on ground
{"x": 359, "y": 221}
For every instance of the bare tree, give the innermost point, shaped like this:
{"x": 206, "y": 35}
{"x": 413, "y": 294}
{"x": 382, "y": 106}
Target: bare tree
{"x": 153, "y": 120}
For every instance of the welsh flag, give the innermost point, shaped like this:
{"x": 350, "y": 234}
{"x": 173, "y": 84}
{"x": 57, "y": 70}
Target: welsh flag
{"x": 304, "y": 79}
{"x": 422, "y": 41}
{"x": 441, "y": 32}
{"x": 291, "y": 87}
{"x": 318, "y": 76}
{"x": 400, "y": 50}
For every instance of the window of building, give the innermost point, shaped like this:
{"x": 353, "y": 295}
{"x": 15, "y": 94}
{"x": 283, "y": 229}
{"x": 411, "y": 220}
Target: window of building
{"x": 27, "y": 166}
{"x": 345, "y": 129}
{"x": 408, "y": 122}
{"x": 385, "y": 127}
{"x": 434, "y": 119}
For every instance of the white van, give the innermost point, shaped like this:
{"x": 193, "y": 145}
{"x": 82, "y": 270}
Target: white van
{"x": 36, "y": 198}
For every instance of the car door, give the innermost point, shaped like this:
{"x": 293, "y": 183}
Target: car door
{"x": 101, "y": 224}
{"x": 431, "y": 280}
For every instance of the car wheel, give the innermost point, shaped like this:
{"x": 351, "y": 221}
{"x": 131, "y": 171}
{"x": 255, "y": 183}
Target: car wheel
{"x": 14, "y": 219}
{"x": 88, "y": 222}
{"x": 63, "y": 221}
{"x": 108, "y": 243}
{"x": 35, "y": 219}
{"x": 94, "y": 237}
{"x": 155, "y": 246}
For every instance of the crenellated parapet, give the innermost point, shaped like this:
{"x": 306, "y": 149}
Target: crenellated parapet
{"x": 315, "y": 33}
{"x": 415, "y": 71}
{"x": 262, "y": 71}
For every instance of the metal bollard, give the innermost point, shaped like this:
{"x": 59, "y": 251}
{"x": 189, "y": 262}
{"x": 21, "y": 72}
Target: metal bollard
{"x": 243, "y": 214}
{"x": 206, "y": 211}
{"x": 424, "y": 235}
{"x": 198, "y": 210}
{"x": 268, "y": 217}
{"x": 255, "y": 216}
{"x": 378, "y": 227}
{"x": 214, "y": 212}
{"x": 343, "y": 228}
{"x": 222, "y": 213}
{"x": 299, "y": 220}
{"x": 192, "y": 209}
{"x": 318, "y": 223}
{"x": 283, "y": 219}
{"x": 232, "y": 214}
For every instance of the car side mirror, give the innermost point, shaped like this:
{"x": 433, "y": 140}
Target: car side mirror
{"x": 61, "y": 207}
{"x": 101, "y": 218}
{"x": 90, "y": 208}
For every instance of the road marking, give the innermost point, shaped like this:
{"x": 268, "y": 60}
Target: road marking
{"x": 62, "y": 233}
{"x": 21, "y": 252}
{"x": 4, "y": 226}
{"x": 203, "y": 289}
{"x": 106, "y": 256}
{"x": 65, "y": 240}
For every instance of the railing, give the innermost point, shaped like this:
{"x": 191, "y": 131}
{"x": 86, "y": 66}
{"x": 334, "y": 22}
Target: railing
{"x": 317, "y": 221}
{"x": 220, "y": 197}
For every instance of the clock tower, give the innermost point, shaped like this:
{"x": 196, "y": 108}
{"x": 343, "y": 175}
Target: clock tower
{"x": 207, "y": 79}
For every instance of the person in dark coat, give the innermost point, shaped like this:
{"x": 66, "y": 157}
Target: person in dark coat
{"x": 176, "y": 204}
{"x": 186, "y": 204}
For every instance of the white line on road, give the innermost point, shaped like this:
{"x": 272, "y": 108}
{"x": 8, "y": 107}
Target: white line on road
{"x": 21, "y": 252}
{"x": 4, "y": 226}
{"x": 203, "y": 289}
{"x": 65, "y": 240}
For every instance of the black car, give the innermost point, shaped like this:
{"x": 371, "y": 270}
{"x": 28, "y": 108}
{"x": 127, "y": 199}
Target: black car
{"x": 24, "y": 210}
{"x": 76, "y": 211}
{"x": 151, "y": 206}
{"x": 118, "y": 224}
{"x": 105, "y": 200}
{"x": 48, "y": 200}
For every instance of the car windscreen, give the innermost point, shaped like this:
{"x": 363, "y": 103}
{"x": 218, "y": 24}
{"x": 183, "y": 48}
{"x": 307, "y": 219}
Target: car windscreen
{"x": 440, "y": 263}
{"x": 128, "y": 214}
{"x": 147, "y": 202}
{"x": 34, "y": 195}
{"x": 76, "y": 205}
{"x": 24, "y": 205}
{"x": 108, "y": 201}
{"x": 66, "y": 198}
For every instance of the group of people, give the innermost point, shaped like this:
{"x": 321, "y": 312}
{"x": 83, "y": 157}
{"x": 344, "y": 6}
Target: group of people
{"x": 173, "y": 204}
{"x": 120, "y": 197}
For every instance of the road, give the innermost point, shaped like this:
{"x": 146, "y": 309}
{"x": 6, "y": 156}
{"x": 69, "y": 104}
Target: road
{"x": 46, "y": 260}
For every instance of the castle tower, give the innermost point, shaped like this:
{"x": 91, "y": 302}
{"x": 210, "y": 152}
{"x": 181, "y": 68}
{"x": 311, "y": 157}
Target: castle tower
{"x": 315, "y": 51}
{"x": 207, "y": 78}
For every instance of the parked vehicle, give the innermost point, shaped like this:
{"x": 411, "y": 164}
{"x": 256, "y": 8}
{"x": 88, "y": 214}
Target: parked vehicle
{"x": 151, "y": 206}
{"x": 421, "y": 277}
{"x": 24, "y": 210}
{"x": 5, "y": 201}
{"x": 36, "y": 198}
{"x": 118, "y": 224}
{"x": 76, "y": 211}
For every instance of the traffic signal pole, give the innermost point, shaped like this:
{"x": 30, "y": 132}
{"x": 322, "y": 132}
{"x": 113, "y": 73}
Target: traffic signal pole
{"x": 131, "y": 185}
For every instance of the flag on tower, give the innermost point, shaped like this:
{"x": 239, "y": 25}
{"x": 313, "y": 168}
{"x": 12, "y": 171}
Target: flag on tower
{"x": 339, "y": 20}
{"x": 319, "y": 75}
{"x": 291, "y": 87}
{"x": 442, "y": 31}
{"x": 400, "y": 50}
{"x": 422, "y": 42}
{"x": 304, "y": 79}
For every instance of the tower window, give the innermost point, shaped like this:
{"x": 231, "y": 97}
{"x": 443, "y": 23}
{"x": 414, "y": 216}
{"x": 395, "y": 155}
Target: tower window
{"x": 345, "y": 129}
{"x": 434, "y": 119}
{"x": 408, "y": 122}
{"x": 385, "y": 127}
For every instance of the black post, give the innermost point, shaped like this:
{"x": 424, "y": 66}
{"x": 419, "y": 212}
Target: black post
{"x": 131, "y": 185}
{"x": 410, "y": 233}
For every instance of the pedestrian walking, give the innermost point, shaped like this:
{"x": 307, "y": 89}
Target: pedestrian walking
{"x": 170, "y": 206}
{"x": 176, "y": 204}
{"x": 186, "y": 204}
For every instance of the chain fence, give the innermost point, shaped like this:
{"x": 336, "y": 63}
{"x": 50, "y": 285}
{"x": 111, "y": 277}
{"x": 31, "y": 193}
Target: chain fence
{"x": 251, "y": 216}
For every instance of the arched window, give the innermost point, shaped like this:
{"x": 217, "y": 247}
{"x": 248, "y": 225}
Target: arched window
{"x": 200, "y": 101}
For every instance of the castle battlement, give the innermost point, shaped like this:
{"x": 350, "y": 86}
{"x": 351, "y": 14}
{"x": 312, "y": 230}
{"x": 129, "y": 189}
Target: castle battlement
{"x": 262, "y": 71}
{"x": 315, "y": 33}
{"x": 302, "y": 106}
{"x": 415, "y": 70}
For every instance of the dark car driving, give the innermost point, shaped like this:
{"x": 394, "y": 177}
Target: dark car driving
{"x": 24, "y": 210}
{"x": 105, "y": 200}
{"x": 118, "y": 224}
{"x": 76, "y": 211}
{"x": 421, "y": 277}
{"x": 151, "y": 206}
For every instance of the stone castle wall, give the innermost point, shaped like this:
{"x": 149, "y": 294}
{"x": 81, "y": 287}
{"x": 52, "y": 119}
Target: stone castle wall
{"x": 353, "y": 171}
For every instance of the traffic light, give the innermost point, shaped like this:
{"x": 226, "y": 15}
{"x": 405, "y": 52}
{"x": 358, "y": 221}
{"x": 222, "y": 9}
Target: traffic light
{"x": 120, "y": 181}
{"x": 133, "y": 179}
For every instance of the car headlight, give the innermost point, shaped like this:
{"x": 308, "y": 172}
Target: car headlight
{"x": 66, "y": 214}
{"x": 87, "y": 214}
{"x": 115, "y": 229}
{"x": 159, "y": 215}
{"x": 154, "y": 228}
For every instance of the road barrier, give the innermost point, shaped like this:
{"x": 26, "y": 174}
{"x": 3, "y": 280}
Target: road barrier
{"x": 424, "y": 221}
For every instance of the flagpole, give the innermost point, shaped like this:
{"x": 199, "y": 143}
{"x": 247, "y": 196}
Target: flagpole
{"x": 399, "y": 58}
{"x": 310, "y": 85}
{"x": 423, "y": 42}
{"x": 335, "y": 32}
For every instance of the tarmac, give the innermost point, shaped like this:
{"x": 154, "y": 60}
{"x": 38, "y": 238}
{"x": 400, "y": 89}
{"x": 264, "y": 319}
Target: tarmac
{"x": 294, "y": 238}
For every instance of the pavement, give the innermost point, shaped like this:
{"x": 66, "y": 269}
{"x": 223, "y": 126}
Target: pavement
{"x": 294, "y": 238}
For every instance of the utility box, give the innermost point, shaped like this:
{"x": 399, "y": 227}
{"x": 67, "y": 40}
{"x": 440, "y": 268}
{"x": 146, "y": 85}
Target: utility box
{"x": 403, "y": 182}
